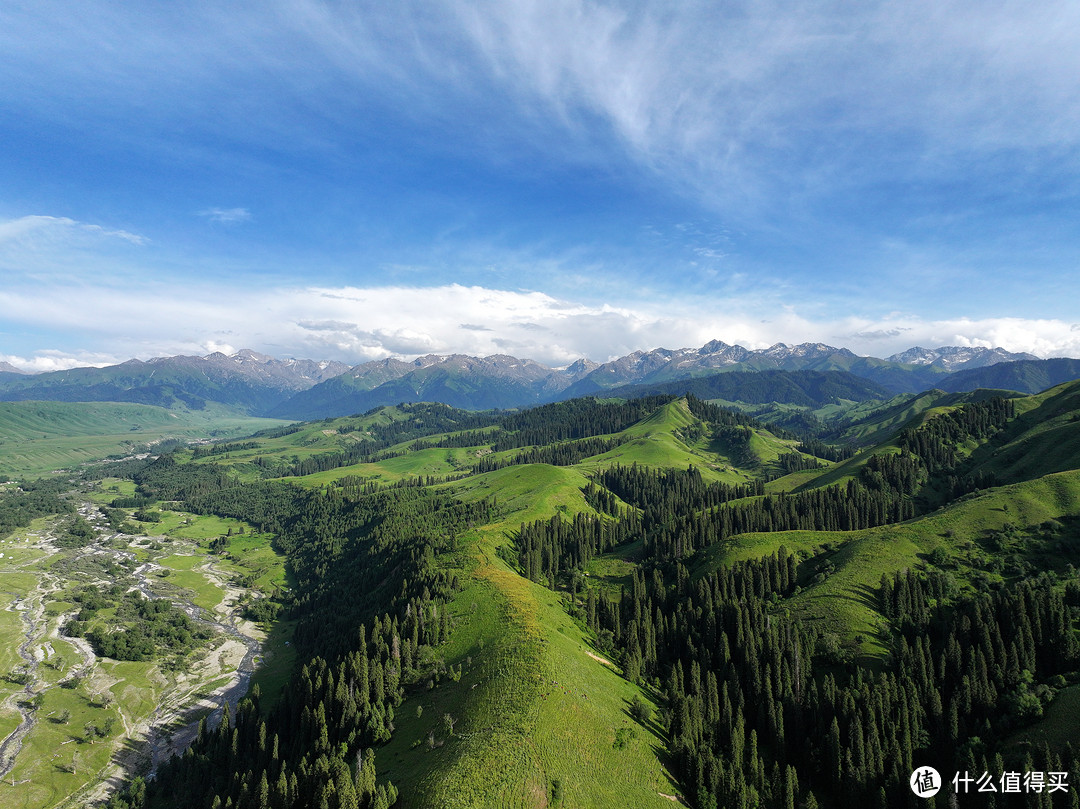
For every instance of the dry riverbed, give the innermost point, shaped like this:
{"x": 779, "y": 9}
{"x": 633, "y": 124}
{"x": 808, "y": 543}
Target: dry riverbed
{"x": 73, "y": 725}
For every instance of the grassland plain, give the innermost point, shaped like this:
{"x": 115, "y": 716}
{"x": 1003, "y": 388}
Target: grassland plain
{"x": 38, "y": 437}
{"x": 42, "y": 772}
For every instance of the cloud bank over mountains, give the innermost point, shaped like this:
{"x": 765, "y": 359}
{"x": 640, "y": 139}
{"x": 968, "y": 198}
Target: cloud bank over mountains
{"x": 354, "y": 324}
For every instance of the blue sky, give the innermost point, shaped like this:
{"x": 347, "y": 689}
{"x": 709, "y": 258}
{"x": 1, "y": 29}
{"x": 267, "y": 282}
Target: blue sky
{"x": 549, "y": 179}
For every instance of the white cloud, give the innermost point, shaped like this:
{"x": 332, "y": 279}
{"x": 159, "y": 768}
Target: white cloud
{"x": 227, "y": 216}
{"x": 742, "y": 101}
{"x": 55, "y": 360}
{"x": 356, "y": 324}
{"x": 44, "y": 232}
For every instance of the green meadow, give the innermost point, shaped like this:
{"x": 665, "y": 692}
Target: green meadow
{"x": 538, "y": 712}
{"x": 38, "y": 437}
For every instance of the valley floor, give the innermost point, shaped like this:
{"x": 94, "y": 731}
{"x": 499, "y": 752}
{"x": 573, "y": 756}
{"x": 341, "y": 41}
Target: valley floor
{"x": 74, "y": 725}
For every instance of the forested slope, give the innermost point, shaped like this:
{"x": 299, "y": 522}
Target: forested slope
{"x": 596, "y": 603}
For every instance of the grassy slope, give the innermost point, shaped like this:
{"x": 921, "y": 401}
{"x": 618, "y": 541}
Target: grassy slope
{"x": 844, "y": 602}
{"x": 796, "y": 480}
{"x": 37, "y": 437}
{"x": 874, "y": 422}
{"x": 532, "y": 707}
{"x": 535, "y": 707}
{"x": 345, "y": 433}
{"x": 655, "y": 441}
{"x": 1057, "y": 727}
{"x": 926, "y": 407}
{"x": 1044, "y": 437}
{"x": 658, "y": 442}
{"x": 424, "y": 462}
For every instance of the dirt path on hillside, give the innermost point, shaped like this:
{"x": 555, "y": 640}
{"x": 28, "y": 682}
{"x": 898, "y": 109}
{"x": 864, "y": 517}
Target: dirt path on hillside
{"x": 600, "y": 659}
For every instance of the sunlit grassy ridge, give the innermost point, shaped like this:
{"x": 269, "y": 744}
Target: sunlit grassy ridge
{"x": 538, "y": 714}
{"x": 1043, "y": 438}
{"x": 526, "y": 669}
{"x": 882, "y": 420}
{"x": 671, "y": 438}
{"x": 535, "y": 712}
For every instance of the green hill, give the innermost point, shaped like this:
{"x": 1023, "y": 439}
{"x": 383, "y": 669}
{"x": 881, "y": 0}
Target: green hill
{"x": 855, "y": 561}
{"x": 595, "y": 603}
{"x": 1044, "y": 438}
{"x": 893, "y": 415}
{"x": 539, "y": 711}
{"x": 1027, "y": 376}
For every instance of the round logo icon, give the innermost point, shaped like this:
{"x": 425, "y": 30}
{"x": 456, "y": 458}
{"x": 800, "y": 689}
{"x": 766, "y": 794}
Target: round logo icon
{"x": 925, "y": 782}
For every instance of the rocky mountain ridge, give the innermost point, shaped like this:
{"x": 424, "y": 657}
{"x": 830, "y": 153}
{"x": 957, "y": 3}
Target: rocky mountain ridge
{"x": 305, "y": 389}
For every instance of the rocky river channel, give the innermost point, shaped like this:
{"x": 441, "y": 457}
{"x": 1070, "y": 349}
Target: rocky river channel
{"x": 182, "y": 697}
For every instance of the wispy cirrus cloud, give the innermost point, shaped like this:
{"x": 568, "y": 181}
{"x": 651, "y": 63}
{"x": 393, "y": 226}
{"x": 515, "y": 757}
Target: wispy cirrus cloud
{"x": 227, "y": 216}
{"x": 705, "y": 95}
{"x": 34, "y": 232}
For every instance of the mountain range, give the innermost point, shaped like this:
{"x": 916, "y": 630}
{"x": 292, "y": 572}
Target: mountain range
{"x": 257, "y": 384}
{"x": 248, "y": 381}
